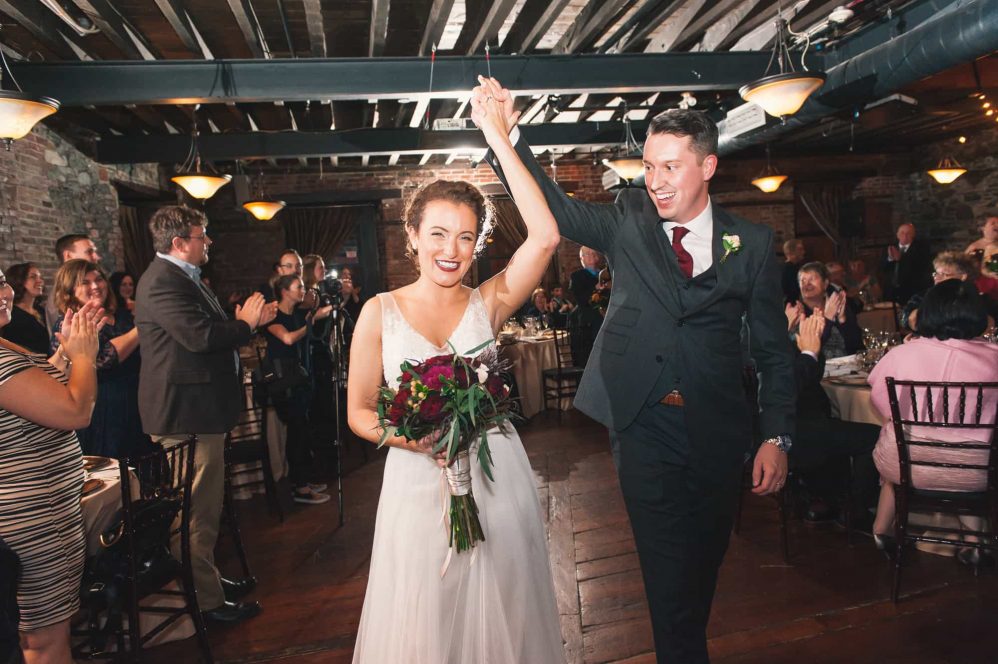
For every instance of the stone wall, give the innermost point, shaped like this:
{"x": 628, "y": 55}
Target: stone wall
{"x": 48, "y": 188}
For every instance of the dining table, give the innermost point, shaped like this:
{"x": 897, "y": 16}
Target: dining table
{"x": 880, "y": 317}
{"x": 530, "y": 355}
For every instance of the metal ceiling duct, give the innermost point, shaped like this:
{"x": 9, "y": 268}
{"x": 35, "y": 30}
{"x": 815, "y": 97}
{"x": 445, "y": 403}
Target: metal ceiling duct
{"x": 961, "y": 33}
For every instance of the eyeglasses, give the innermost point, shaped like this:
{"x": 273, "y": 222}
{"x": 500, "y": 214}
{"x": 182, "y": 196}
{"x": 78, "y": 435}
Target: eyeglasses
{"x": 936, "y": 274}
{"x": 203, "y": 236}
{"x": 287, "y": 265}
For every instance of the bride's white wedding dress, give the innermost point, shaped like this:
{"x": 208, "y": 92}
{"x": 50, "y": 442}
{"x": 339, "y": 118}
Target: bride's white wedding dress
{"x": 495, "y": 604}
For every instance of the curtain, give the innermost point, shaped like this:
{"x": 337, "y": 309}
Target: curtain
{"x": 320, "y": 231}
{"x": 508, "y": 221}
{"x": 135, "y": 239}
{"x": 822, "y": 202}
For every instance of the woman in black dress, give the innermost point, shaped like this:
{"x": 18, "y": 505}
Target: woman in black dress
{"x": 288, "y": 349}
{"x": 27, "y": 320}
{"x": 115, "y": 430}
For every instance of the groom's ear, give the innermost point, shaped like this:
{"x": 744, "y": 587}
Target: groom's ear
{"x": 709, "y": 166}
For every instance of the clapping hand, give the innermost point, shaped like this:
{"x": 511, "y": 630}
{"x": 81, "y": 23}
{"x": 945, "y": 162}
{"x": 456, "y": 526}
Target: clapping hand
{"x": 255, "y": 311}
{"x": 794, "y": 312}
{"x": 893, "y": 253}
{"x": 809, "y": 334}
{"x": 835, "y": 306}
{"x": 79, "y": 339}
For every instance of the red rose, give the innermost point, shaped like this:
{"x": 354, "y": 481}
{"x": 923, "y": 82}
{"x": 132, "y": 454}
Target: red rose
{"x": 395, "y": 415}
{"x": 436, "y": 361}
{"x": 401, "y": 397}
{"x": 464, "y": 377}
{"x": 432, "y": 408}
{"x": 496, "y": 386}
{"x": 406, "y": 377}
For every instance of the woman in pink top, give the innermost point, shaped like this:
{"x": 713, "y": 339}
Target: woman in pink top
{"x": 951, "y": 316}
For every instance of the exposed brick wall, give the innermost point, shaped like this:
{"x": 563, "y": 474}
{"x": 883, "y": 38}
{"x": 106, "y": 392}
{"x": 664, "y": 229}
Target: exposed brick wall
{"x": 48, "y": 188}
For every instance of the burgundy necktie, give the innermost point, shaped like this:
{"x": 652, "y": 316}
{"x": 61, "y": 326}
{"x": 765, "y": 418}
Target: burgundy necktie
{"x": 685, "y": 260}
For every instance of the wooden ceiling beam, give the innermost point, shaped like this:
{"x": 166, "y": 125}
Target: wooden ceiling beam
{"x": 726, "y": 14}
{"x": 591, "y": 22}
{"x": 176, "y": 16}
{"x": 242, "y": 11}
{"x": 115, "y": 27}
{"x": 488, "y": 32}
{"x": 436, "y": 21}
{"x": 34, "y": 17}
{"x": 379, "y": 28}
{"x": 532, "y": 23}
{"x": 316, "y": 28}
{"x": 651, "y": 21}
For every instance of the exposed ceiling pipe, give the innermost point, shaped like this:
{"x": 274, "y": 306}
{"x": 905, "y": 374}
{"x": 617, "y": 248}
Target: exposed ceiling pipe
{"x": 961, "y": 33}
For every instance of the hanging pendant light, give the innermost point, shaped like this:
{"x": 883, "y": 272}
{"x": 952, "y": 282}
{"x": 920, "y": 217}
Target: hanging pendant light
{"x": 19, "y": 112}
{"x": 947, "y": 171}
{"x": 628, "y": 164}
{"x": 784, "y": 92}
{"x": 261, "y": 207}
{"x": 770, "y": 179}
{"x": 199, "y": 183}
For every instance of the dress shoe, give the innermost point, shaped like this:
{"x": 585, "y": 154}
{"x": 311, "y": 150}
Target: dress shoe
{"x": 975, "y": 559}
{"x": 887, "y": 544}
{"x": 236, "y": 589}
{"x": 820, "y": 512}
{"x": 232, "y": 612}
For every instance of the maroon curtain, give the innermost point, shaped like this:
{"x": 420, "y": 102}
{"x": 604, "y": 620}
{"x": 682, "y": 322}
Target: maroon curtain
{"x": 508, "y": 221}
{"x": 135, "y": 238}
{"x": 320, "y": 231}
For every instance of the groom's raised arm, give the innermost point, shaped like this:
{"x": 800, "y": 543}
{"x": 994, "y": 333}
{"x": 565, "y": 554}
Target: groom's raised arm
{"x": 590, "y": 224}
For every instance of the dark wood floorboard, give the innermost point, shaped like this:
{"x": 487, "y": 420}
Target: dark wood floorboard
{"x": 829, "y": 605}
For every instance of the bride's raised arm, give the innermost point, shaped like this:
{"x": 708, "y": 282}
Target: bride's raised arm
{"x": 508, "y": 290}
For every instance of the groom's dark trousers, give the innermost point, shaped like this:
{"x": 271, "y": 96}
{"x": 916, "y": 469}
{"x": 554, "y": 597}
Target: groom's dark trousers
{"x": 682, "y": 520}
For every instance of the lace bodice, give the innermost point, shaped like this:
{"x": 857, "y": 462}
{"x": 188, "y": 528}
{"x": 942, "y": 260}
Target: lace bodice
{"x": 400, "y": 341}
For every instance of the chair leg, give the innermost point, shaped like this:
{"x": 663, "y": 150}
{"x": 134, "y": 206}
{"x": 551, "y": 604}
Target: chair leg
{"x": 782, "y": 499}
{"x": 237, "y": 536}
{"x": 191, "y": 599}
{"x": 737, "y": 526}
{"x": 900, "y": 531}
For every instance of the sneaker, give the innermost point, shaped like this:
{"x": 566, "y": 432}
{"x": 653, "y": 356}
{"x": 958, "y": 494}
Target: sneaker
{"x": 318, "y": 487}
{"x": 307, "y": 496}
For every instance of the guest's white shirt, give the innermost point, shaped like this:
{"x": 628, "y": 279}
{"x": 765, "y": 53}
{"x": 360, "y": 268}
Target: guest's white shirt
{"x": 698, "y": 242}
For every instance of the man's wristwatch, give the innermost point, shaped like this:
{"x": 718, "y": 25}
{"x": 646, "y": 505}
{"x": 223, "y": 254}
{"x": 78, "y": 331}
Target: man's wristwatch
{"x": 782, "y": 443}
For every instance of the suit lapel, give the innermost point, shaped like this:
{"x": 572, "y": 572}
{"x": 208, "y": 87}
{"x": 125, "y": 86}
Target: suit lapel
{"x": 206, "y": 295}
{"x": 653, "y": 250}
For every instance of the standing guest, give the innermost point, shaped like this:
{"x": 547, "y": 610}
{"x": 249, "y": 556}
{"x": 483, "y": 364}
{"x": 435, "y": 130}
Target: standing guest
{"x": 841, "y": 335}
{"x": 908, "y": 265}
{"x": 27, "y": 320}
{"x": 862, "y": 285}
{"x": 794, "y": 252}
{"x": 41, "y": 476}
{"x": 989, "y": 235}
{"x": 288, "y": 349}
{"x": 289, "y": 262}
{"x": 582, "y": 282}
{"x": 191, "y": 383}
{"x": 69, "y": 247}
{"x": 667, "y": 377}
{"x": 313, "y": 274}
{"x": 123, "y": 287}
{"x": 947, "y": 348}
{"x": 352, "y": 302}
{"x": 115, "y": 429}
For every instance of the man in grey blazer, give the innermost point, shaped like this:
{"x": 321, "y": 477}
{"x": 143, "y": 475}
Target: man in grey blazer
{"x": 191, "y": 383}
{"x": 666, "y": 372}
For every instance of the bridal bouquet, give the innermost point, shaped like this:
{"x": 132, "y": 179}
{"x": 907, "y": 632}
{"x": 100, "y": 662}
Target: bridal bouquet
{"x": 460, "y": 398}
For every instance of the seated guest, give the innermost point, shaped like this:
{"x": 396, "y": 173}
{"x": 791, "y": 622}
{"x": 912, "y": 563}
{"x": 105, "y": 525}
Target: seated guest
{"x": 826, "y": 444}
{"x": 862, "y": 285}
{"x": 115, "y": 429}
{"x": 27, "y": 318}
{"x": 123, "y": 287}
{"x": 288, "y": 350}
{"x": 537, "y": 306}
{"x": 987, "y": 280}
{"x": 837, "y": 280}
{"x": 842, "y": 335}
{"x": 794, "y": 252}
{"x": 989, "y": 235}
{"x": 946, "y": 265}
{"x": 41, "y": 475}
{"x": 560, "y": 307}
{"x": 951, "y": 318}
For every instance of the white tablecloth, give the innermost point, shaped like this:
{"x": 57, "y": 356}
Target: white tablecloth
{"x": 530, "y": 359}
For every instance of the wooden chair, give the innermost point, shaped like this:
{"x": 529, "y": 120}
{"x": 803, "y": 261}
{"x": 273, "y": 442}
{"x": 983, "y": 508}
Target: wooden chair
{"x": 137, "y": 562}
{"x": 247, "y": 445}
{"x": 562, "y": 381}
{"x": 933, "y": 412}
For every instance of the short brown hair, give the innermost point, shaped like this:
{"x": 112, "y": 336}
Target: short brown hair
{"x": 173, "y": 221}
{"x": 66, "y": 242}
{"x": 16, "y": 276}
{"x": 69, "y": 277}
{"x": 458, "y": 192}
{"x": 686, "y": 122}
{"x": 816, "y": 267}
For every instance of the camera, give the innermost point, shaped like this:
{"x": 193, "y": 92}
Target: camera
{"x": 330, "y": 292}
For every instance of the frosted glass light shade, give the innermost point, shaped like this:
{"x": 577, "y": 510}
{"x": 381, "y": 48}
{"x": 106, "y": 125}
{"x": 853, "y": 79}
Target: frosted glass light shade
{"x": 19, "y": 113}
{"x": 769, "y": 183}
{"x": 627, "y": 168}
{"x": 201, "y": 185}
{"x": 781, "y": 95}
{"x": 264, "y": 210}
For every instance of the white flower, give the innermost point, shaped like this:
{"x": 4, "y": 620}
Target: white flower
{"x": 483, "y": 373}
{"x": 734, "y": 242}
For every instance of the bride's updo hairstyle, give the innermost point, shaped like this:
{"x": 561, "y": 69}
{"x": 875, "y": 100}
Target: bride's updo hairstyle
{"x": 458, "y": 192}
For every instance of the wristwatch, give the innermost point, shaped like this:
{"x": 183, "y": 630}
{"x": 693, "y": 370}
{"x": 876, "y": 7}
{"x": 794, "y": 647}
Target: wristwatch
{"x": 782, "y": 443}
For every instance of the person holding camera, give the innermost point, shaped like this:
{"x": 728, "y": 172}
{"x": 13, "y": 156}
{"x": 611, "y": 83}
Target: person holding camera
{"x": 288, "y": 351}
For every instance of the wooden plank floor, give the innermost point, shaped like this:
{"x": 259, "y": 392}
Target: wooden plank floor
{"x": 829, "y": 605}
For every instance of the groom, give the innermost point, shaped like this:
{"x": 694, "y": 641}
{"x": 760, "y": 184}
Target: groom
{"x": 665, "y": 374}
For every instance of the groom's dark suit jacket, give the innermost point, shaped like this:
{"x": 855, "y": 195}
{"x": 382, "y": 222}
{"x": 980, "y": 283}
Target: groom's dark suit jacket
{"x": 664, "y": 332}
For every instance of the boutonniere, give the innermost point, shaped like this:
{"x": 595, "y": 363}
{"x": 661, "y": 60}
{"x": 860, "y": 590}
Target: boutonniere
{"x": 732, "y": 245}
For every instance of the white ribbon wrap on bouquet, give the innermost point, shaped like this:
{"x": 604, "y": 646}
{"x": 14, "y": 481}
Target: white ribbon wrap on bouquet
{"x": 459, "y": 474}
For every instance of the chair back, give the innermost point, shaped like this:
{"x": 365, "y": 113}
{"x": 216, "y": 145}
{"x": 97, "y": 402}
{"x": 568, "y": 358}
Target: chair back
{"x": 920, "y": 409}
{"x": 563, "y": 348}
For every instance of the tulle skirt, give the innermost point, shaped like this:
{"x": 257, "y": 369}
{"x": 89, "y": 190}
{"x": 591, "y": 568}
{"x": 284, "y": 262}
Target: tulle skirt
{"x": 494, "y": 604}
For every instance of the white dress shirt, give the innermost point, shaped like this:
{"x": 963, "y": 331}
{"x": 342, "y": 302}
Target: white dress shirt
{"x": 698, "y": 242}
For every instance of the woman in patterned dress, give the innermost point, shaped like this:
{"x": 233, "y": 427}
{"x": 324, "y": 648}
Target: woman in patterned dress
{"x": 41, "y": 474}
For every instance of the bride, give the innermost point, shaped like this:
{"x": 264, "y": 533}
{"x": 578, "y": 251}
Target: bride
{"x": 494, "y": 604}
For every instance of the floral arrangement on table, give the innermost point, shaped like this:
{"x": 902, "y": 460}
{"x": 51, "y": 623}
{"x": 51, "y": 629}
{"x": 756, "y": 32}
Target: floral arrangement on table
{"x": 991, "y": 265}
{"x": 458, "y": 398}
